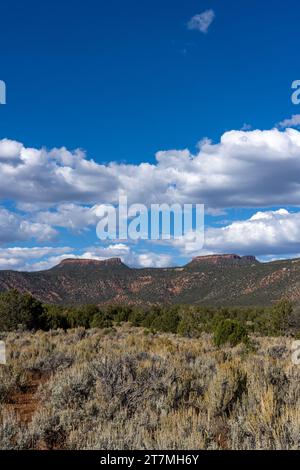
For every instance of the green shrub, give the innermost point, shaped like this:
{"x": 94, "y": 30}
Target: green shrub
{"x": 82, "y": 316}
{"x": 53, "y": 318}
{"x": 232, "y": 332}
{"x": 168, "y": 321}
{"x": 137, "y": 317}
{"x": 189, "y": 325}
{"x": 120, "y": 313}
{"x": 281, "y": 313}
{"x": 101, "y": 320}
{"x": 20, "y": 310}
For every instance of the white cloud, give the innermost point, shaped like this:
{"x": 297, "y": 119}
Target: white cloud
{"x": 19, "y": 258}
{"x": 266, "y": 233}
{"x": 215, "y": 212}
{"x": 71, "y": 216}
{"x": 39, "y": 176}
{"x": 58, "y": 188}
{"x": 294, "y": 121}
{"x": 127, "y": 255}
{"x": 245, "y": 169}
{"x": 10, "y": 150}
{"x": 153, "y": 260}
{"x": 14, "y": 228}
{"x": 97, "y": 253}
{"x": 202, "y": 21}
{"x": 42, "y": 258}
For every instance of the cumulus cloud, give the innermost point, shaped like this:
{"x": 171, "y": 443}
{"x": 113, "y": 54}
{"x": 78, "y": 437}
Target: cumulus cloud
{"x": 246, "y": 168}
{"x": 24, "y": 258}
{"x": 294, "y": 121}
{"x": 42, "y": 258}
{"x": 14, "y": 228}
{"x": 153, "y": 260}
{"x": 266, "y": 233}
{"x": 98, "y": 253}
{"x": 38, "y": 176}
{"x": 257, "y": 168}
{"x": 202, "y": 21}
{"x": 72, "y": 216}
{"x": 144, "y": 260}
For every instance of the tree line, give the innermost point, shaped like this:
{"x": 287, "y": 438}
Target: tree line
{"x": 233, "y": 325}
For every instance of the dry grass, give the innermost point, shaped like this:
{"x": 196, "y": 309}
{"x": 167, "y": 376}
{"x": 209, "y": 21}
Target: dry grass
{"x": 124, "y": 389}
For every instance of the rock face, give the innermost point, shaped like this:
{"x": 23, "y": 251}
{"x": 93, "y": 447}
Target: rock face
{"x": 225, "y": 280}
{"x": 228, "y": 260}
{"x": 90, "y": 262}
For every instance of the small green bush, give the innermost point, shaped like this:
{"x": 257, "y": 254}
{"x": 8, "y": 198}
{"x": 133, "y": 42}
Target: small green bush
{"x": 230, "y": 332}
{"x": 82, "y": 316}
{"x": 167, "y": 321}
{"x": 189, "y": 326}
{"x": 101, "y": 320}
{"x": 54, "y": 317}
{"x": 120, "y": 313}
{"x": 280, "y": 315}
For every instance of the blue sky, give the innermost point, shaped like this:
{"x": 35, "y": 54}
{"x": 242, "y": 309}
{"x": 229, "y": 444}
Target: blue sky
{"x": 123, "y": 80}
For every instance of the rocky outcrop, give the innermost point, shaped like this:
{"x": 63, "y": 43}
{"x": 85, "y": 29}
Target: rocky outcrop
{"x": 90, "y": 262}
{"x": 227, "y": 259}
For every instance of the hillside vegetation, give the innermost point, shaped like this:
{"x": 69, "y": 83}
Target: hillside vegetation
{"x": 218, "y": 280}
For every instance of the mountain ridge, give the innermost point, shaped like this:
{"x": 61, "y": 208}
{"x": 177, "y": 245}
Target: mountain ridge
{"x": 223, "y": 279}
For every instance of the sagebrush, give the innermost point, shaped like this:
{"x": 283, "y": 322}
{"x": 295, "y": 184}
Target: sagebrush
{"x": 127, "y": 388}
